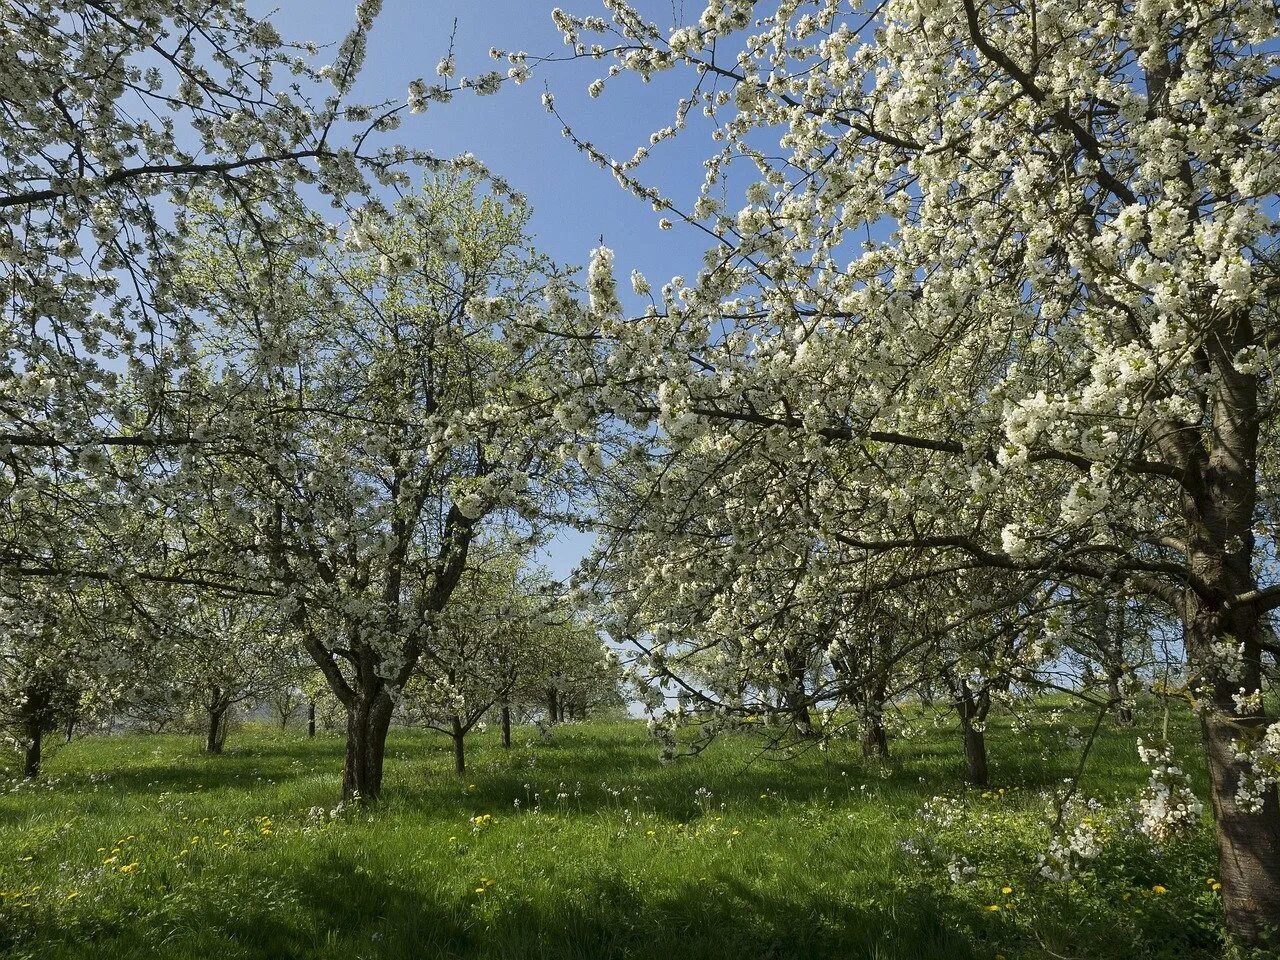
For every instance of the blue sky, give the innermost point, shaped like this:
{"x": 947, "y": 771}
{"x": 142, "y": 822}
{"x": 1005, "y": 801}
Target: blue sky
{"x": 574, "y": 202}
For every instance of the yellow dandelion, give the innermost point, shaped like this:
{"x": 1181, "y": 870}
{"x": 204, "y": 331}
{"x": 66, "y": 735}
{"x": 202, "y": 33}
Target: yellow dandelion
{"x": 1006, "y": 890}
{"x": 993, "y": 908}
{"x": 128, "y": 867}
{"x": 1158, "y": 889}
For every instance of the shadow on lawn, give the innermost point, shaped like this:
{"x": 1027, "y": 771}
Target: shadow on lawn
{"x": 343, "y": 911}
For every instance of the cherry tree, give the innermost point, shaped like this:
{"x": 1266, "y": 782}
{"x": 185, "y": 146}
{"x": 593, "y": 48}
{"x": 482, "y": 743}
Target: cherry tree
{"x": 392, "y": 389}
{"x": 1015, "y": 260}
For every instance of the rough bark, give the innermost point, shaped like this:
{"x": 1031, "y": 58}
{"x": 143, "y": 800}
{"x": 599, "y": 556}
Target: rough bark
{"x": 368, "y": 719}
{"x": 311, "y": 719}
{"x": 1248, "y": 842}
{"x": 506, "y": 726}
{"x": 553, "y": 705}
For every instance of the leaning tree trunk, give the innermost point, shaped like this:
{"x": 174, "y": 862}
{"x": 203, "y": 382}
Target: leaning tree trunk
{"x": 506, "y": 726}
{"x": 459, "y": 747}
{"x": 368, "y": 719}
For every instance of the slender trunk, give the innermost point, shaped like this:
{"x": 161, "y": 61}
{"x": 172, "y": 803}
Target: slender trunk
{"x": 368, "y": 719}
{"x": 71, "y": 727}
{"x": 506, "y": 726}
{"x": 459, "y": 752}
{"x": 311, "y": 719}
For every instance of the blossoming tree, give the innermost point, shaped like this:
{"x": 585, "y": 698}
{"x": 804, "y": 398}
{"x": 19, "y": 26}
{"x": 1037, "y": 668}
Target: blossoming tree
{"x": 1008, "y": 273}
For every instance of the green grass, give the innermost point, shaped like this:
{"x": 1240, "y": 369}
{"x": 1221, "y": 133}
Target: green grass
{"x": 609, "y": 854}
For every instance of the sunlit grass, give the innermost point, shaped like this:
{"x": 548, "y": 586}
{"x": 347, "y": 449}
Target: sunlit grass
{"x": 581, "y": 846}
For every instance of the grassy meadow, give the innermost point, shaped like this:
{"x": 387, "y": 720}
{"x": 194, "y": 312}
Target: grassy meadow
{"x": 584, "y": 846}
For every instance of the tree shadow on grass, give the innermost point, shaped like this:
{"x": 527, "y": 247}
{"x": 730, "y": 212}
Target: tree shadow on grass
{"x": 341, "y": 910}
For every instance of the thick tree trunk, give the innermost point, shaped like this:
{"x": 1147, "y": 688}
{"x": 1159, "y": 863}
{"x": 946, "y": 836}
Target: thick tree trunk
{"x": 975, "y": 756}
{"x": 311, "y": 719}
{"x": 506, "y": 726}
{"x": 1248, "y": 842}
{"x": 459, "y": 751}
{"x": 368, "y": 719}
{"x": 553, "y": 705}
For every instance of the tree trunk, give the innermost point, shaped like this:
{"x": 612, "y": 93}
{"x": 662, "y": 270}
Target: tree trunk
{"x": 1123, "y": 713}
{"x": 973, "y": 709}
{"x": 35, "y": 716}
{"x": 368, "y": 719}
{"x": 311, "y": 719}
{"x": 875, "y": 741}
{"x": 975, "y": 755}
{"x": 553, "y": 705}
{"x": 35, "y": 738}
{"x": 459, "y": 751}
{"x": 216, "y": 737}
{"x": 1248, "y": 842}
{"x": 506, "y": 726}
{"x": 71, "y": 727}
